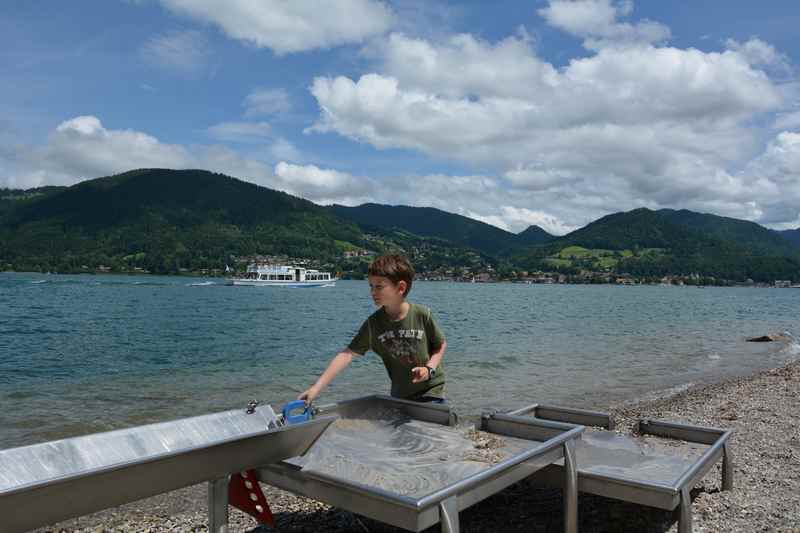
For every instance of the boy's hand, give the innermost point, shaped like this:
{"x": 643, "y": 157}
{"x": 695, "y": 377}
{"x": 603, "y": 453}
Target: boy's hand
{"x": 419, "y": 373}
{"x": 309, "y": 395}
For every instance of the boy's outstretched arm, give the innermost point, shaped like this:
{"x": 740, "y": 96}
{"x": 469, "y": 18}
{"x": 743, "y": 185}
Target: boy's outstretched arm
{"x": 420, "y": 373}
{"x": 337, "y": 364}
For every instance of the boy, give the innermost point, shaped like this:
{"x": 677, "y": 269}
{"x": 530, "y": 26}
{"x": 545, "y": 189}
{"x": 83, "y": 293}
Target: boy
{"x": 404, "y": 334}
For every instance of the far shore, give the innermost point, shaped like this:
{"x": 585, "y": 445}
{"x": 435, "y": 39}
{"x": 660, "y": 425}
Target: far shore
{"x": 763, "y": 409}
{"x": 614, "y": 280}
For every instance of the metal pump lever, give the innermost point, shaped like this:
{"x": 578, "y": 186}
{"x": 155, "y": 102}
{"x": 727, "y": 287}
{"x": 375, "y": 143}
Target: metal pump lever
{"x": 244, "y": 492}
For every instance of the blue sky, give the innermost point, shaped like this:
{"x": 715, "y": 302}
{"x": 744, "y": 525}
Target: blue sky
{"x": 512, "y": 112}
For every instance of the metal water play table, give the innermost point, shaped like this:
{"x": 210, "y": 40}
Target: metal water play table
{"x": 45, "y": 483}
{"x": 638, "y": 468}
{"x": 409, "y": 465}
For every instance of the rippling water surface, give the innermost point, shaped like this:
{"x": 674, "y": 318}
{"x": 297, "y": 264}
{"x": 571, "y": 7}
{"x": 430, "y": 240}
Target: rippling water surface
{"x": 90, "y": 353}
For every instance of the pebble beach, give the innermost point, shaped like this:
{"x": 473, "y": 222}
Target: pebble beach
{"x": 762, "y": 409}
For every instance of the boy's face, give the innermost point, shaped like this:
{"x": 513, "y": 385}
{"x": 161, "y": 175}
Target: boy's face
{"x": 384, "y": 292}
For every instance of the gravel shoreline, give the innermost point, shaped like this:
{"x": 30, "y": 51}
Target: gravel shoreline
{"x": 762, "y": 409}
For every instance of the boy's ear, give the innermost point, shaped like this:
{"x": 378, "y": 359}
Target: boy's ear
{"x": 402, "y": 285}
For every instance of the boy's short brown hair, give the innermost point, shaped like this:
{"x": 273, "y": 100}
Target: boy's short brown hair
{"x": 395, "y": 267}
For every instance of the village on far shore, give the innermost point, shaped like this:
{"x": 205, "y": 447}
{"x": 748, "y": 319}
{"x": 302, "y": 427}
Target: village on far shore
{"x": 479, "y": 272}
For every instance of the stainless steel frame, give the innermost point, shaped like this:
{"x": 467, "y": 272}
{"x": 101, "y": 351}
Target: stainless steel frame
{"x": 443, "y": 506}
{"x": 640, "y": 490}
{"x": 45, "y": 483}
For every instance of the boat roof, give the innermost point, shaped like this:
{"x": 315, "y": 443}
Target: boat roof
{"x": 259, "y": 267}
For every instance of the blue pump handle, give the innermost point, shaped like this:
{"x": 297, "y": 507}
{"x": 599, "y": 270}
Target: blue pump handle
{"x": 289, "y": 418}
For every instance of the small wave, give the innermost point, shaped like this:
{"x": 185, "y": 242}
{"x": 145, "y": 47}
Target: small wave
{"x": 661, "y": 394}
{"x": 714, "y": 356}
{"x": 789, "y": 344}
{"x": 791, "y": 348}
{"x": 38, "y": 281}
{"x": 677, "y": 389}
{"x": 202, "y": 284}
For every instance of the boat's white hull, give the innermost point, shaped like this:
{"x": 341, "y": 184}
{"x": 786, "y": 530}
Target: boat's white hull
{"x": 272, "y": 283}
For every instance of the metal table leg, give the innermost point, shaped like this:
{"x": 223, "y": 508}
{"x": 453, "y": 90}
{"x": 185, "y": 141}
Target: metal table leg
{"x": 685, "y": 511}
{"x": 218, "y": 505}
{"x": 570, "y": 488}
{"x": 727, "y": 467}
{"x": 448, "y": 515}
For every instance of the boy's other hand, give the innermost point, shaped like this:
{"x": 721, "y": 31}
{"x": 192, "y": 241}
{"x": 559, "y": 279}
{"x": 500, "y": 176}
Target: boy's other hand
{"x": 419, "y": 373}
{"x": 309, "y": 395}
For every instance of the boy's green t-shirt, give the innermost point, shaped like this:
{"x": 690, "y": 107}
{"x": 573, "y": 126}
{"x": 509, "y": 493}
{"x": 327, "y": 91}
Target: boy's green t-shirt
{"x": 403, "y": 345}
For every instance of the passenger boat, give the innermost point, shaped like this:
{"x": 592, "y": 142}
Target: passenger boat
{"x": 283, "y": 276}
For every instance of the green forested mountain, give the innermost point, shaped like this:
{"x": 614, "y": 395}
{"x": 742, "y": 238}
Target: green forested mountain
{"x": 641, "y": 228}
{"x": 431, "y": 222}
{"x": 791, "y": 235}
{"x": 162, "y": 220}
{"x": 166, "y": 220}
{"x": 533, "y": 235}
{"x": 14, "y": 198}
{"x": 643, "y": 242}
{"x": 184, "y": 197}
{"x": 744, "y": 233}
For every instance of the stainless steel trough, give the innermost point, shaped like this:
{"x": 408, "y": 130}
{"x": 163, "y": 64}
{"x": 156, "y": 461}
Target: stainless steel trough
{"x": 45, "y": 483}
{"x": 627, "y": 468}
{"x": 405, "y": 464}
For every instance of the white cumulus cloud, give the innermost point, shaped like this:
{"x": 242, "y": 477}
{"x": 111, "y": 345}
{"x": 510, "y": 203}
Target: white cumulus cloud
{"x": 324, "y": 186}
{"x": 82, "y": 148}
{"x": 673, "y": 97}
{"x": 283, "y": 150}
{"x": 597, "y": 22}
{"x": 630, "y": 125}
{"x": 290, "y": 26}
{"x": 760, "y": 53}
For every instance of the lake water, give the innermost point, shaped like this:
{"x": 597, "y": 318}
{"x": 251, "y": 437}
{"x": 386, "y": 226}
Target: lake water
{"x": 81, "y": 354}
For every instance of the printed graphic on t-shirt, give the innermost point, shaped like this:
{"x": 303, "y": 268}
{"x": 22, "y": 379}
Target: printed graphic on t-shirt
{"x": 403, "y": 344}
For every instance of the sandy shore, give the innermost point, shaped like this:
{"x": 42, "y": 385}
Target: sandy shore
{"x": 764, "y": 411}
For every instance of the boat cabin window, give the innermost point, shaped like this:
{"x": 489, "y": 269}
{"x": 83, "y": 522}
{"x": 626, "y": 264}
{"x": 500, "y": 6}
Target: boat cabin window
{"x": 285, "y": 276}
